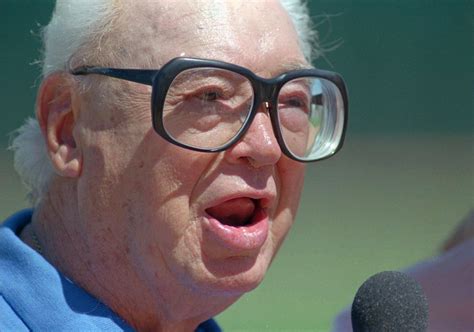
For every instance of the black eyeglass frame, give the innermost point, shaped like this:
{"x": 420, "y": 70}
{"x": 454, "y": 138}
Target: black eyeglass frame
{"x": 264, "y": 90}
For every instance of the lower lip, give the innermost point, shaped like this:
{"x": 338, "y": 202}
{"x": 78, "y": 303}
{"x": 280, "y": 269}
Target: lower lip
{"x": 249, "y": 237}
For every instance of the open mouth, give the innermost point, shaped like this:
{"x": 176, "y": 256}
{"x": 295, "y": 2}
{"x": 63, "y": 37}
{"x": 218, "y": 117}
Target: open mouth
{"x": 240, "y": 224}
{"x": 237, "y": 212}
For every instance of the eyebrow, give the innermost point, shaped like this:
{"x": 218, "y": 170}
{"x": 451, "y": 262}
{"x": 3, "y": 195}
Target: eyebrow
{"x": 294, "y": 65}
{"x": 290, "y": 66}
{"x": 199, "y": 78}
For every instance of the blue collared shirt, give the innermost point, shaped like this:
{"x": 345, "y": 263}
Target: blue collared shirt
{"x": 34, "y": 296}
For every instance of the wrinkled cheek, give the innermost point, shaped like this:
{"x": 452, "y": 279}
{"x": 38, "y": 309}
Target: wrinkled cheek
{"x": 291, "y": 178}
{"x": 188, "y": 256}
{"x": 180, "y": 260}
{"x": 281, "y": 226}
{"x": 157, "y": 249}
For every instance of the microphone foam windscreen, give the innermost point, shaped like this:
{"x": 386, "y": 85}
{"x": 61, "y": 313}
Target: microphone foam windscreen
{"x": 390, "y": 301}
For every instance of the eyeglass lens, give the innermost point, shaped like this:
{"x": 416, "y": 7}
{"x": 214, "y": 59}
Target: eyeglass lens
{"x": 310, "y": 113}
{"x": 207, "y": 107}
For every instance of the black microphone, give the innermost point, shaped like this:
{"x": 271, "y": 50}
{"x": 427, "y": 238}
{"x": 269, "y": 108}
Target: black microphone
{"x": 390, "y": 301}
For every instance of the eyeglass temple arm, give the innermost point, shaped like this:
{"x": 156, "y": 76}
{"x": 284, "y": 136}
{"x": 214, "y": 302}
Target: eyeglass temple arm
{"x": 143, "y": 76}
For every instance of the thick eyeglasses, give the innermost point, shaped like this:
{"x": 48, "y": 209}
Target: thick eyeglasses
{"x": 208, "y": 105}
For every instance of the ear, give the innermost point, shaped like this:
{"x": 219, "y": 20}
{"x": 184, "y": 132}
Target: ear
{"x": 56, "y": 113}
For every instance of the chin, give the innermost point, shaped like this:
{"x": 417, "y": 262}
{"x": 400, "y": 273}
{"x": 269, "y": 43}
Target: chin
{"x": 236, "y": 275}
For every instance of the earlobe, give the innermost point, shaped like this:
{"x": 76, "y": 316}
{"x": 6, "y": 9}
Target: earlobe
{"x": 56, "y": 115}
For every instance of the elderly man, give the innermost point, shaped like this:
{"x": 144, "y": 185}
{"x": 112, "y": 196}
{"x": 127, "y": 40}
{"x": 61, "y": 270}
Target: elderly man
{"x": 166, "y": 162}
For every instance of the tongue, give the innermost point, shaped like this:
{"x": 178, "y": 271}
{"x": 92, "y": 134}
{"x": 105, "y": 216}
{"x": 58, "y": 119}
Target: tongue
{"x": 234, "y": 212}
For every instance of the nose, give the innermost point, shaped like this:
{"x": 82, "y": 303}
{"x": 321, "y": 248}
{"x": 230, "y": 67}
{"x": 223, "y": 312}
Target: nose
{"x": 259, "y": 146}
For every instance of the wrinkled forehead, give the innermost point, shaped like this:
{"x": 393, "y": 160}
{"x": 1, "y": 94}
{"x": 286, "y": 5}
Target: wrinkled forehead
{"x": 249, "y": 33}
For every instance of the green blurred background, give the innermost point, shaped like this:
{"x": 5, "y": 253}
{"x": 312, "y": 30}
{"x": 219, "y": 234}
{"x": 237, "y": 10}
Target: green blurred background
{"x": 402, "y": 182}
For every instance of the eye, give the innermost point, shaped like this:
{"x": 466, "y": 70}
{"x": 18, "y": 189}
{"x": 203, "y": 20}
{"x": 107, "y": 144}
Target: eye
{"x": 295, "y": 101}
{"x": 210, "y": 96}
{"x": 295, "y": 95}
{"x": 208, "y": 93}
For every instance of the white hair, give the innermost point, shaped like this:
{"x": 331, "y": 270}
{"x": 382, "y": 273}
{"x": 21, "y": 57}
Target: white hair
{"x": 74, "y": 26}
{"x": 308, "y": 38}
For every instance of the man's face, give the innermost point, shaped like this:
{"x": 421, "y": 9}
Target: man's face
{"x": 175, "y": 220}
